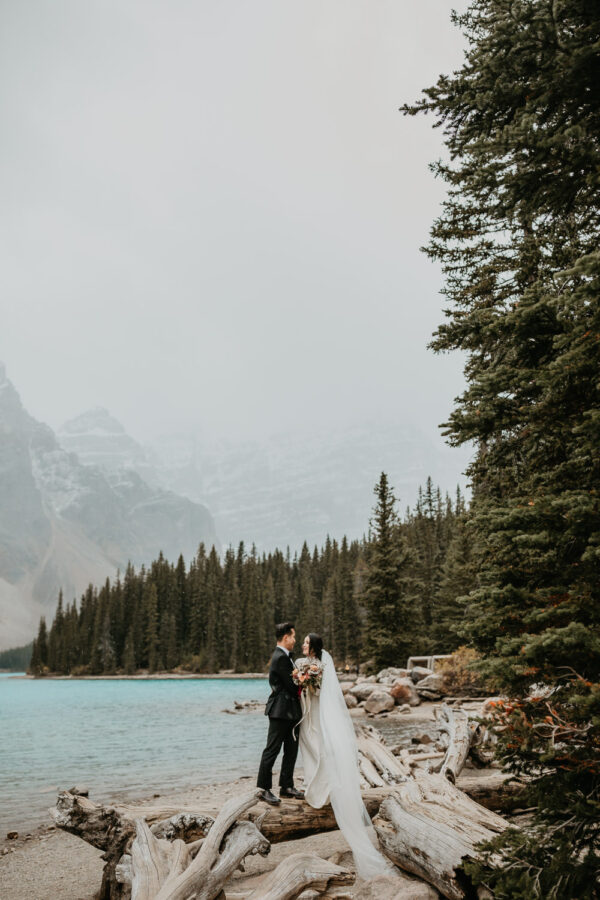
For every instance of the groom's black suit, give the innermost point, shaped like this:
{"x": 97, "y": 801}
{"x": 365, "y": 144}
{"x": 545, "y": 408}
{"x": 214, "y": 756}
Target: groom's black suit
{"x": 284, "y": 712}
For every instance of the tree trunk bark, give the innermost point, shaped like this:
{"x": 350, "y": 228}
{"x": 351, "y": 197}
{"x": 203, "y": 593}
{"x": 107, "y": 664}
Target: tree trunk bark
{"x": 162, "y": 870}
{"x": 428, "y": 827}
{"x": 298, "y": 873}
{"x": 460, "y": 731}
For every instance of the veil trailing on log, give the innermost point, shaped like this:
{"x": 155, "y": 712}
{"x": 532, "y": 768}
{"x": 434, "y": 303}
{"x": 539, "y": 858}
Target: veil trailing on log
{"x": 340, "y": 756}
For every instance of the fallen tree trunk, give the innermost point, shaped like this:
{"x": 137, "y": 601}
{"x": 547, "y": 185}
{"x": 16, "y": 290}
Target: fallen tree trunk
{"x": 294, "y": 819}
{"x": 113, "y": 828}
{"x": 298, "y": 873}
{"x": 460, "y": 731}
{"x": 378, "y": 765}
{"x": 164, "y": 870}
{"x": 428, "y": 827}
{"x": 99, "y": 825}
{"x": 495, "y": 790}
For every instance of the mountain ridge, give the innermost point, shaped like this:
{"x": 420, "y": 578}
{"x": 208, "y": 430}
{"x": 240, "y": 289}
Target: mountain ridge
{"x": 64, "y": 524}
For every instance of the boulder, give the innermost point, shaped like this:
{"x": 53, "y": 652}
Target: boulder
{"x": 368, "y": 679}
{"x": 388, "y": 676}
{"x": 363, "y": 690}
{"x": 351, "y": 701}
{"x": 404, "y": 691}
{"x": 378, "y": 702}
{"x": 417, "y": 673}
{"x": 432, "y": 684}
{"x": 395, "y": 886}
{"x": 346, "y": 685}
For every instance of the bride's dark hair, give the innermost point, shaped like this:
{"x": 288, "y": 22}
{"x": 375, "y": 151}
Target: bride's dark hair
{"x": 315, "y": 644}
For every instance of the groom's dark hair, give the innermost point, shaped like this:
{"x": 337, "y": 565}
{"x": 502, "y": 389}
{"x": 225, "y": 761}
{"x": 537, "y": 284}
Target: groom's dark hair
{"x": 283, "y": 628}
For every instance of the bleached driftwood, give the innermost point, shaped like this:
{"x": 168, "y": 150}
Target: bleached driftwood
{"x": 112, "y": 829}
{"x": 428, "y": 827}
{"x": 298, "y": 873}
{"x": 456, "y": 724}
{"x": 378, "y": 765}
{"x": 164, "y": 870}
{"x": 294, "y": 819}
{"x": 493, "y": 789}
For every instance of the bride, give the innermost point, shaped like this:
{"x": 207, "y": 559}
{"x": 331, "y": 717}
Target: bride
{"x": 330, "y": 757}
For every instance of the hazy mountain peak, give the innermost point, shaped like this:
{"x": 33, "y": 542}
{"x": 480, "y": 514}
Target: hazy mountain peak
{"x": 97, "y": 420}
{"x": 65, "y": 522}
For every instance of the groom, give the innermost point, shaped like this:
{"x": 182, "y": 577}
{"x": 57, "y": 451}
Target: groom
{"x": 284, "y": 712}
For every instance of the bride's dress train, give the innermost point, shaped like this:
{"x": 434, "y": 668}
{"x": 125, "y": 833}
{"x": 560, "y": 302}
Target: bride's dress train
{"x": 331, "y": 773}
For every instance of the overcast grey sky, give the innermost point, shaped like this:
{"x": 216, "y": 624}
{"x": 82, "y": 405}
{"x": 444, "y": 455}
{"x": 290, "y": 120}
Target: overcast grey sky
{"x": 212, "y": 212}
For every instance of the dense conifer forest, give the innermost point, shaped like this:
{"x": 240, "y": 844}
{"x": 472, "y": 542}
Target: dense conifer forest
{"x": 219, "y": 612}
{"x": 16, "y": 659}
{"x": 518, "y": 240}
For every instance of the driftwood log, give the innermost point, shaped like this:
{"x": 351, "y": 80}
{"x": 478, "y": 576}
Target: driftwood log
{"x": 113, "y": 829}
{"x": 426, "y": 825}
{"x": 164, "y": 870}
{"x": 300, "y": 872}
{"x": 378, "y": 765}
{"x": 429, "y": 828}
{"x": 455, "y": 723}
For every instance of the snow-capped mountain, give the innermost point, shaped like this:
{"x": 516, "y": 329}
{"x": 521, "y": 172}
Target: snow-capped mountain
{"x": 98, "y": 439}
{"x": 281, "y": 491}
{"x": 292, "y": 488}
{"x": 66, "y": 524}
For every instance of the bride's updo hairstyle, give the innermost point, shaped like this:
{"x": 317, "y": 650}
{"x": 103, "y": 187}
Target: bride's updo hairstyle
{"x": 315, "y": 644}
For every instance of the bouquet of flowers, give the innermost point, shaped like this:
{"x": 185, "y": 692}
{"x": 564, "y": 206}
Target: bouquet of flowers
{"x": 308, "y": 675}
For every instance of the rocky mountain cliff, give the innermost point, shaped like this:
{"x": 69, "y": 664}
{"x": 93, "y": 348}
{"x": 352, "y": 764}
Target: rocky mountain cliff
{"x": 64, "y": 523}
{"x": 290, "y": 488}
{"x": 281, "y": 491}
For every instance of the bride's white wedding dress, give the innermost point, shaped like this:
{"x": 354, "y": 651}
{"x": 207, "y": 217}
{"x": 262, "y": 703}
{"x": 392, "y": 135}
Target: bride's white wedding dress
{"x": 330, "y": 759}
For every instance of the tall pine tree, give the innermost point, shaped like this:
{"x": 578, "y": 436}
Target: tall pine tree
{"x": 518, "y": 241}
{"x": 390, "y": 601}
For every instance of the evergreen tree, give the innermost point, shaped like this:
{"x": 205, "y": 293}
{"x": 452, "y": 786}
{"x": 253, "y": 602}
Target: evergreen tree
{"x": 151, "y": 621}
{"x": 129, "y": 660}
{"x": 518, "y": 241}
{"x": 39, "y": 656}
{"x": 389, "y": 599}
{"x": 458, "y": 579}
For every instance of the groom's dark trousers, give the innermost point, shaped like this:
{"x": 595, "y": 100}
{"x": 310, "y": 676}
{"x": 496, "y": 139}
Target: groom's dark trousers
{"x": 284, "y": 712}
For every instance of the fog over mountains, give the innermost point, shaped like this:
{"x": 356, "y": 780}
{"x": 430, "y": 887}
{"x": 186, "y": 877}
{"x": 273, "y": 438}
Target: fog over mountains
{"x": 288, "y": 489}
{"x": 77, "y": 505}
{"x": 64, "y": 524}
{"x": 278, "y": 492}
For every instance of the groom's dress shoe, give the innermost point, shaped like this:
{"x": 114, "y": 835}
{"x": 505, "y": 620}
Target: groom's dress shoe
{"x": 291, "y": 792}
{"x": 269, "y": 797}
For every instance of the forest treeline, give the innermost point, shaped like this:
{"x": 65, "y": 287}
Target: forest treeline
{"x": 219, "y": 612}
{"x": 16, "y": 659}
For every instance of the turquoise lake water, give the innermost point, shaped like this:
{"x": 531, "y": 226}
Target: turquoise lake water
{"x": 120, "y": 737}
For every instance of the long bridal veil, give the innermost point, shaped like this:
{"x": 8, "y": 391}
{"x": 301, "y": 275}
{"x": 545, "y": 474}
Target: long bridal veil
{"x": 340, "y": 754}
